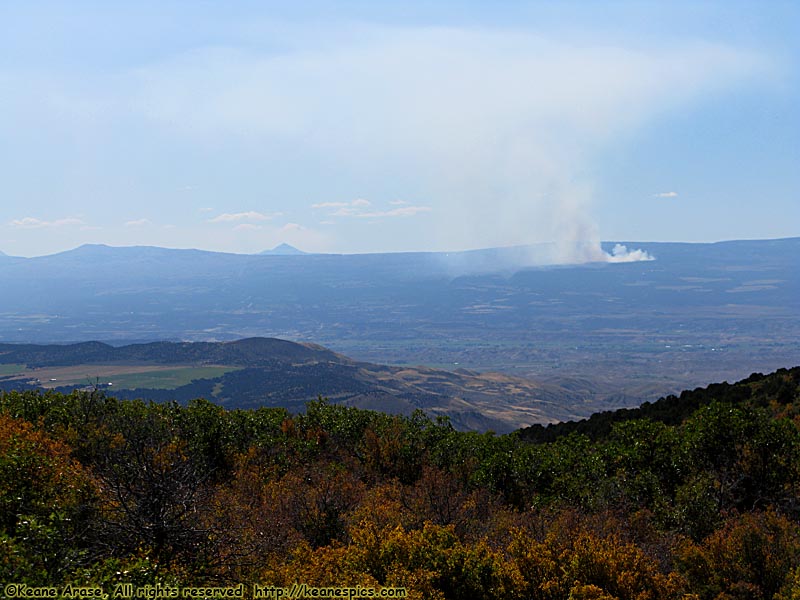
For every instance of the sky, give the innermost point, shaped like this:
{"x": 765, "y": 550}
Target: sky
{"x": 396, "y": 126}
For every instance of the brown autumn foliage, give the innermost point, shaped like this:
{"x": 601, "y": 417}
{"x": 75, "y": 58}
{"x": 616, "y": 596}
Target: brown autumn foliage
{"x": 99, "y": 491}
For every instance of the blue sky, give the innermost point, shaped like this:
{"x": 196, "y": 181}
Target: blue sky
{"x": 378, "y": 126}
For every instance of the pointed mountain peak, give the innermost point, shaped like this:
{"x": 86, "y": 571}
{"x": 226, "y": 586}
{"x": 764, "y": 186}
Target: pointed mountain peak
{"x": 284, "y": 250}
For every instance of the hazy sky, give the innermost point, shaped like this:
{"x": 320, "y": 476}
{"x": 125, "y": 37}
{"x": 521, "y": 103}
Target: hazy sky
{"x": 386, "y": 126}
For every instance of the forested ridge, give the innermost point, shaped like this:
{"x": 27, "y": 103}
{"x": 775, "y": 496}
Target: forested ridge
{"x": 693, "y": 496}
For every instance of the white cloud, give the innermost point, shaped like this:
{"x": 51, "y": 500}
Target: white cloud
{"x": 243, "y": 216}
{"x": 359, "y": 209}
{"x": 330, "y": 204}
{"x": 34, "y": 223}
{"x": 667, "y": 195}
{"x": 359, "y": 202}
{"x": 406, "y": 211}
{"x": 347, "y": 211}
{"x": 292, "y": 227}
{"x": 138, "y": 223}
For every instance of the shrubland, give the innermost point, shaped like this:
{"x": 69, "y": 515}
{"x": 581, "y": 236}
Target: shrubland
{"x": 691, "y": 497}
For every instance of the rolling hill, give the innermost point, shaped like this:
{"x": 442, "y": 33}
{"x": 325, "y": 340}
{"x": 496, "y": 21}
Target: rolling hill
{"x": 269, "y": 372}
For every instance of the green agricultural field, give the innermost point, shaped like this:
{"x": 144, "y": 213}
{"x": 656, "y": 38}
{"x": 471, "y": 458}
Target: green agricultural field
{"x": 166, "y": 379}
{"x": 6, "y": 370}
{"x": 122, "y": 376}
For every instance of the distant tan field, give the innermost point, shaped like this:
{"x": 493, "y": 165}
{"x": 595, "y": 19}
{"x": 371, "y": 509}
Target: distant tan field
{"x": 120, "y": 376}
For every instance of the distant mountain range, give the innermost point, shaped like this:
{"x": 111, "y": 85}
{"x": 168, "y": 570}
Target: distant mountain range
{"x": 272, "y": 372}
{"x": 624, "y": 332}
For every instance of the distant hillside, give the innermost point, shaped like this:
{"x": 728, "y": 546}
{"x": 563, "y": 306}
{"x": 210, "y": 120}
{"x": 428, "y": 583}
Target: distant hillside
{"x": 779, "y": 391}
{"x": 251, "y": 352}
{"x": 270, "y": 372}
